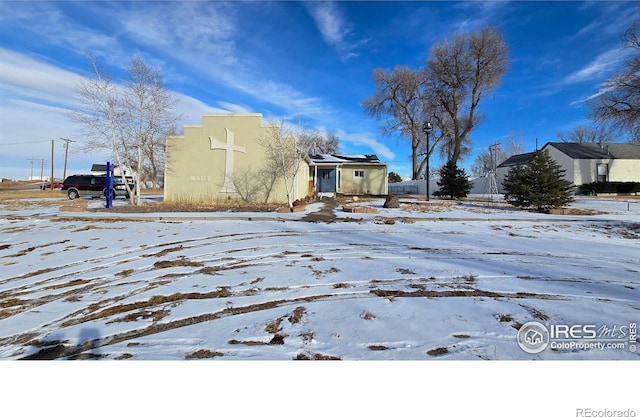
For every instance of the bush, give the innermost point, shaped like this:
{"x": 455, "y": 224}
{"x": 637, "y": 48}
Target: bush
{"x": 454, "y": 182}
{"x": 539, "y": 183}
{"x": 617, "y": 187}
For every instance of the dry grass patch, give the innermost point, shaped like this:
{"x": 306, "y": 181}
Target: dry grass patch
{"x": 11, "y": 302}
{"x": 296, "y": 316}
{"x": 438, "y": 351}
{"x": 164, "y": 252}
{"x": 176, "y": 263}
{"x": 203, "y": 354}
{"x": 193, "y": 207}
{"x": 124, "y": 356}
{"x": 377, "y": 347}
{"x": 125, "y": 273}
{"x": 277, "y": 339}
{"x": 368, "y": 316}
{"x": 505, "y": 318}
{"x": 274, "y": 326}
{"x": 315, "y": 356}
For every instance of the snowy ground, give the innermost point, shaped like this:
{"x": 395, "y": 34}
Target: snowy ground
{"x": 422, "y": 282}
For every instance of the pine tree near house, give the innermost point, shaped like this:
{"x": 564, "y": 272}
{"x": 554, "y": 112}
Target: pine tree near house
{"x": 539, "y": 184}
{"x": 454, "y": 182}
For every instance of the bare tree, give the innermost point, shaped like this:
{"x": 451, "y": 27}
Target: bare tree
{"x": 268, "y": 176}
{"x": 493, "y": 154}
{"x": 150, "y": 106}
{"x": 618, "y": 106}
{"x": 284, "y": 155}
{"x": 459, "y": 74}
{"x": 447, "y": 92}
{"x": 132, "y": 120}
{"x": 317, "y": 142}
{"x": 101, "y": 119}
{"x": 247, "y": 184}
{"x": 399, "y": 97}
{"x": 586, "y": 134}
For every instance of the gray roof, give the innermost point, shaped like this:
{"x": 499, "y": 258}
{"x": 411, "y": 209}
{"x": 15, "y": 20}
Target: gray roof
{"x": 596, "y": 151}
{"x": 336, "y": 159}
{"x": 514, "y": 160}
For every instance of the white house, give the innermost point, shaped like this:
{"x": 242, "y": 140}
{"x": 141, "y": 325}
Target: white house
{"x": 585, "y": 163}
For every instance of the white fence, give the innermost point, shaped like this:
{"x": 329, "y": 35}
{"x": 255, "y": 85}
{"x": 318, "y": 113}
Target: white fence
{"x": 419, "y": 187}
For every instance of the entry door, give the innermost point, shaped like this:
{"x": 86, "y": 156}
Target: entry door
{"x": 326, "y": 180}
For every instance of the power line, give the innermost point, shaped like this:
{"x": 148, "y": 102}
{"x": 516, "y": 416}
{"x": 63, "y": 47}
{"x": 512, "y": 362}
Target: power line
{"x": 23, "y": 143}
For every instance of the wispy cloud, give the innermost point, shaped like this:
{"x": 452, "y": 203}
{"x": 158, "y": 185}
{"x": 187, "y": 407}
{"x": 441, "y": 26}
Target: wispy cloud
{"x": 480, "y": 14}
{"x": 44, "y": 21}
{"x": 330, "y": 22}
{"x": 35, "y": 80}
{"x": 209, "y": 41}
{"x": 334, "y": 28}
{"x": 366, "y": 140}
{"x": 207, "y": 28}
{"x": 602, "y": 65}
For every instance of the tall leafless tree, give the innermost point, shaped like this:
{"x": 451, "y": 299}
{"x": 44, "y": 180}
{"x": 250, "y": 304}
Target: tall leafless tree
{"x": 459, "y": 74}
{"x": 587, "y": 134}
{"x": 149, "y": 107}
{"x": 317, "y": 142}
{"x": 130, "y": 120}
{"x": 101, "y": 119}
{"x": 618, "y": 106}
{"x": 399, "y": 97}
{"x": 283, "y": 156}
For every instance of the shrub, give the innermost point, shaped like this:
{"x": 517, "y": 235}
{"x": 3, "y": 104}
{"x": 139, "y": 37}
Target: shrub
{"x": 454, "y": 182}
{"x": 616, "y": 187}
{"x": 539, "y": 183}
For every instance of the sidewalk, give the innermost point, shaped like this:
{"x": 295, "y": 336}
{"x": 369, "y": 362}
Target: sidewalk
{"x": 325, "y": 215}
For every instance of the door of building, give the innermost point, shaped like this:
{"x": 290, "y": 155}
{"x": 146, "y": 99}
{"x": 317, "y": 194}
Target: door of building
{"x": 326, "y": 180}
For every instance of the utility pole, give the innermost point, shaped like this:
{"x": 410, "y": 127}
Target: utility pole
{"x": 52, "y": 179}
{"x": 66, "y": 155}
{"x": 41, "y": 171}
{"x": 31, "y": 176}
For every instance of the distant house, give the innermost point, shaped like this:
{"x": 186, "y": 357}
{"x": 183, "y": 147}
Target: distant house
{"x": 585, "y": 163}
{"x": 348, "y": 174}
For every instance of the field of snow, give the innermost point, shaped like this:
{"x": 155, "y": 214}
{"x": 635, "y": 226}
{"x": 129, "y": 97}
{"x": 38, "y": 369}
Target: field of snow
{"x": 448, "y": 281}
{"x": 438, "y": 284}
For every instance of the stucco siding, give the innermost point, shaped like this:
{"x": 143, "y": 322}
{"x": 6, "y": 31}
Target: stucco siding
{"x": 373, "y": 182}
{"x": 197, "y": 168}
{"x": 624, "y": 170}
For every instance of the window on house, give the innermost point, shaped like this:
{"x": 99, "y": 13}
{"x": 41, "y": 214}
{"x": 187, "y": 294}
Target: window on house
{"x": 358, "y": 173}
{"x": 603, "y": 173}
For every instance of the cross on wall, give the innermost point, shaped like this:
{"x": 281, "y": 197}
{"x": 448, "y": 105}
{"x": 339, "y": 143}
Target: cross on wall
{"x": 229, "y": 147}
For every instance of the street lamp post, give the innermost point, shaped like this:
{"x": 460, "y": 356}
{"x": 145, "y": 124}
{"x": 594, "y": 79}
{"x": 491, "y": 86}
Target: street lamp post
{"x": 427, "y": 129}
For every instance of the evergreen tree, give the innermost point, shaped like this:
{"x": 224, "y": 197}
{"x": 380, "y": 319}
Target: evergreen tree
{"x": 394, "y": 177}
{"x": 454, "y": 182}
{"x": 539, "y": 183}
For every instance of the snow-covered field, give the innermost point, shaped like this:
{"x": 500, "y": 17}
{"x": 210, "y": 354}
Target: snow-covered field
{"x": 218, "y": 293}
{"x": 416, "y": 283}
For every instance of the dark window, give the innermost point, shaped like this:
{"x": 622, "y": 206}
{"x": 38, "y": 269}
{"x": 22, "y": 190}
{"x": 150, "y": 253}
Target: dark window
{"x": 603, "y": 173}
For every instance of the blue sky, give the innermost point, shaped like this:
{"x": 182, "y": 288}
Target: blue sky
{"x": 303, "y": 61}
